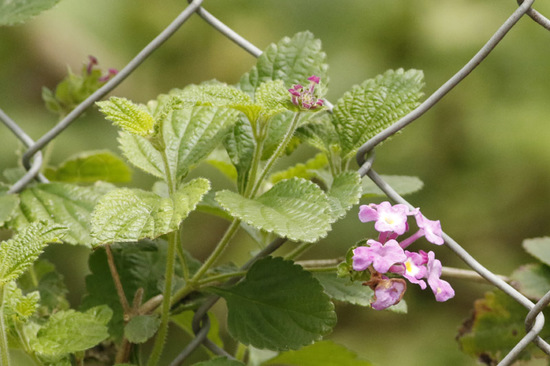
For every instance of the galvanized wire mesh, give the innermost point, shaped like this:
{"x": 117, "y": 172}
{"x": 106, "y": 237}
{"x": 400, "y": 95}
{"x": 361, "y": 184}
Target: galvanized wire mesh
{"x": 32, "y": 161}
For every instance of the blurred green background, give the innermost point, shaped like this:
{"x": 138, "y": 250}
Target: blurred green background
{"x": 482, "y": 152}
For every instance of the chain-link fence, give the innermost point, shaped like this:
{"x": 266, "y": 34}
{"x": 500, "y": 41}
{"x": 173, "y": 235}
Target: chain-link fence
{"x": 32, "y": 161}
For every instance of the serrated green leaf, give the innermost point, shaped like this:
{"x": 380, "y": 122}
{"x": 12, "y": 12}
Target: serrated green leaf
{"x": 209, "y": 205}
{"x": 344, "y": 193}
{"x": 343, "y": 289}
{"x": 320, "y": 133}
{"x": 294, "y": 208}
{"x": 294, "y": 312}
{"x": 301, "y": 170}
{"x": 70, "y": 331}
{"x": 89, "y": 167}
{"x": 133, "y": 118}
{"x": 18, "y": 307}
{"x": 190, "y": 135}
{"x": 532, "y": 280}
{"x": 538, "y": 248}
{"x": 60, "y": 203}
{"x": 240, "y": 145}
{"x": 214, "y": 94}
{"x": 291, "y": 60}
{"x": 273, "y": 97}
{"x": 49, "y": 284}
{"x": 127, "y": 215}
{"x": 8, "y": 203}
{"x": 400, "y": 183}
{"x": 496, "y": 326}
{"x": 141, "y": 328}
{"x": 18, "y": 11}
{"x": 140, "y": 265}
{"x": 19, "y": 253}
{"x": 219, "y": 361}
{"x": 326, "y": 353}
{"x": 374, "y": 105}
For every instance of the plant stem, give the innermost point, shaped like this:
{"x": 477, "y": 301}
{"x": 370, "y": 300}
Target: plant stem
{"x": 299, "y": 250}
{"x": 118, "y": 284}
{"x": 163, "y": 329}
{"x": 221, "y": 277}
{"x": 256, "y": 159}
{"x": 282, "y": 146}
{"x": 4, "y": 351}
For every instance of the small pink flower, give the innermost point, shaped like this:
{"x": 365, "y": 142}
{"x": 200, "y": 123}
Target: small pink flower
{"x": 431, "y": 229}
{"x": 91, "y": 64}
{"x": 441, "y": 288}
{"x": 305, "y": 97}
{"x": 388, "y": 292}
{"x": 382, "y": 257}
{"x": 387, "y": 217}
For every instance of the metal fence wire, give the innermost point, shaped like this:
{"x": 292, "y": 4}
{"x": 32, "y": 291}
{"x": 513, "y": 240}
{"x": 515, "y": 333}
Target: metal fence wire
{"x": 32, "y": 161}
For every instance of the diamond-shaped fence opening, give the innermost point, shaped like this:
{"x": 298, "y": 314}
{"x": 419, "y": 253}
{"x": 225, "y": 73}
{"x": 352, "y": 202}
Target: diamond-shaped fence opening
{"x": 32, "y": 158}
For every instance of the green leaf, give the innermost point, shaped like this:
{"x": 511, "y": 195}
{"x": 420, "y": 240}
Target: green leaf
{"x": 273, "y": 97}
{"x": 374, "y": 105}
{"x": 126, "y": 215}
{"x": 291, "y": 60}
{"x": 50, "y": 285}
{"x": 240, "y": 145}
{"x": 189, "y": 134}
{"x": 89, "y": 167}
{"x": 400, "y": 183}
{"x": 326, "y": 353}
{"x": 320, "y": 133}
{"x": 294, "y": 208}
{"x": 8, "y": 203}
{"x": 19, "y": 253}
{"x": 141, "y": 328}
{"x": 532, "y": 280}
{"x": 19, "y": 11}
{"x": 294, "y": 312}
{"x": 219, "y": 361}
{"x": 131, "y": 117}
{"x": 140, "y": 265}
{"x": 301, "y": 170}
{"x": 214, "y": 94}
{"x": 496, "y": 326}
{"x": 344, "y": 193}
{"x": 220, "y": 160}
{"x": 538, "y": 248}
{"x": 70, "y": 331}
{"x": 60, "y": 203}
{"x": 345, "y": 290}
{"x": 18, "y": 308}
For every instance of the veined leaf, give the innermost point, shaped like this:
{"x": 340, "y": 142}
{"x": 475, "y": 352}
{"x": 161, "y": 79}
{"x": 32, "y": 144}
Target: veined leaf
{"x": 213, "y": 94}
{"x": 294, "y": 312}
{"x": 240, "y": 145}
{"x": 324, "y": 353}
{"x": 402, "y": 184}
{"x": 89, "y": 167}
{"x": 128, "y": 215}
{"x": 190, "y": 135}
{"x": 19, "y": 253}
{"x": 320, "y": 133}
{"x": 291, "y": 60}
{"x": 131, "y": 117}
{"x": 305, "y": 170}
{"x": 294, "y": 208}
{"x": 70, "y": 331}
{"x": 19, "y": 307}
{"x": 374, "y": 105}
{"x": 142, "y": 327}
{"x": 60, "y": 203}
{"x": 344, "y": 193}
{"x": 532, "y": 280}
{"x": 273, "y": 97}
{"x": 343, "y": 289}
{"x": 19, "y": 11}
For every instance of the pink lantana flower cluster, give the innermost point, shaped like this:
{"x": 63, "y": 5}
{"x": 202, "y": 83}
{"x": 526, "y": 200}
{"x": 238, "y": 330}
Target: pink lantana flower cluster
{"x": 387, "y": 257}
{"x": 305, "y": 98}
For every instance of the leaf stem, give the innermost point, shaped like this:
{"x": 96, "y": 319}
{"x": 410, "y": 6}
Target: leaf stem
{"x": 299, "y": 250}
{"x": 282, "y": 146}
{"x": 4, "y": 352}
{"x": 163, "y": 329}
{"x": 256, "y": 159}
{"x": 221, "y": 277}
{"x": 118, "y": 284}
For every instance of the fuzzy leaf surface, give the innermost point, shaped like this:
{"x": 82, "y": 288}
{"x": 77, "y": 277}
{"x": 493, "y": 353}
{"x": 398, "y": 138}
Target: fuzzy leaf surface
{"x": 538, "y": 248}
{"x": 240, "y": 145}
{"x": 142, "y": 327}
{"x": 345, "y": 290}
{"x": 89, "y": 167}
{"x": 131, "y": 117}
{"x": 532, "y": 280}
{"x": 293, "y": 208}
{"x": 294, "y": 312}
{"x": 400, "y": 183}
{"x": 291, "y": 60}
{"x": 301, "y": 170}
{"x": 18, "y": 11}
{"x": 374, "y": 105}
{"x": 344, "y": 193}
{"x": 70, "y": 331}
{"x": 190, "y": 135}
{"x": 18, "y": 253}
{"x": 8, "y": 203}
{"x": 326, "y": 353}
{"x": 127, "y": 215}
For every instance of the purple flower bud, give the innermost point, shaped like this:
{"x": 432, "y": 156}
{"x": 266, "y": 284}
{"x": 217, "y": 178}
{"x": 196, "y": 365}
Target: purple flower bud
{"x": 306, "y": 98}
{"x": 91, "y": 64}
{"x": 388, "y": 292}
